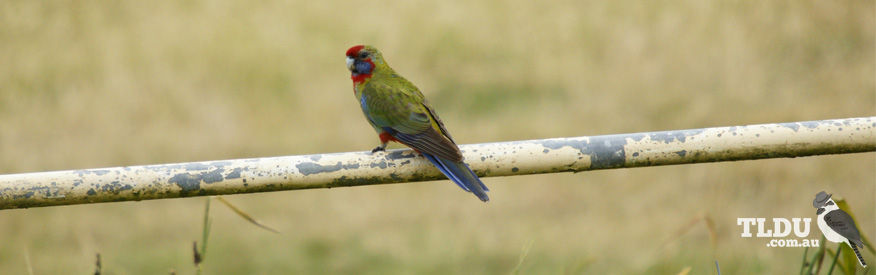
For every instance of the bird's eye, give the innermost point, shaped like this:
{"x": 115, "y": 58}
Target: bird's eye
{"x": 363, "y": 55}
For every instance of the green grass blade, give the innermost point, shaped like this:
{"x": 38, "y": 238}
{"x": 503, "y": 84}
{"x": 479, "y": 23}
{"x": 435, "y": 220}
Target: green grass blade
{"x": 850, "y": 261}
{"x": 838, "y": 263}
{"x": 816, "y": 257}
{"x": 201, "y": 254}
{"x": 206, "y": 233}
{"x": 97, "y": 266}
{"x": 244, "y": 215}
{"x": 803, "y": 265}
{"x": 839, "y": 250}
{"x": 522, "y": 257}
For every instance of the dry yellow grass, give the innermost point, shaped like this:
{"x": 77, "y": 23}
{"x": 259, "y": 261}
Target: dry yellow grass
{"x": 88, "y": 84}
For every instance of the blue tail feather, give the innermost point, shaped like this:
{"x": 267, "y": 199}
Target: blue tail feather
{"x": 460, "y": 174}
{"x": 444, "y": 170}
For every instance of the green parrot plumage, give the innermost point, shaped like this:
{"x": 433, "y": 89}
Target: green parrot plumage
{"x": 399, "y": 112}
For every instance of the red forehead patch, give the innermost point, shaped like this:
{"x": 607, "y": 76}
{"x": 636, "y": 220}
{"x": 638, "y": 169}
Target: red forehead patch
{"x": 354, "y": 50}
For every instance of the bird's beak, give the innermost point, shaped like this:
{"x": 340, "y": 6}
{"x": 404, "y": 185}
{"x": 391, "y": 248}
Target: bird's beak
{"x": 350, "y": 63}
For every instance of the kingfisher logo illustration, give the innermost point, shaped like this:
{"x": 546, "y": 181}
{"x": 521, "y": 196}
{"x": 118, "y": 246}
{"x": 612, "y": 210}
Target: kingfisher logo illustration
{"x": 836, "y": 225}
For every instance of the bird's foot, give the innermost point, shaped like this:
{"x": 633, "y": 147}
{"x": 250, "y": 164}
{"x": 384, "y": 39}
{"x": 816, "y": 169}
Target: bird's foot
{"x": 378, "y": 149}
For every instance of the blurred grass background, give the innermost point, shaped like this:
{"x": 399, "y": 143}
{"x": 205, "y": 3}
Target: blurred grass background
{"x": 86, "y": 84}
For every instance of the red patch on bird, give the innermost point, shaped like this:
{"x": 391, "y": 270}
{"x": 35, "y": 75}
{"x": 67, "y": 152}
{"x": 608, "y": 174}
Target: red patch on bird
{"x": 359, "y": 78}
{"x": 386, "y": 137}
{"x": 354, "y": 50}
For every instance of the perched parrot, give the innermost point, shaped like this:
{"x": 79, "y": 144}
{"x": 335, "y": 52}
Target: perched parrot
{"x": 399, "y": 112}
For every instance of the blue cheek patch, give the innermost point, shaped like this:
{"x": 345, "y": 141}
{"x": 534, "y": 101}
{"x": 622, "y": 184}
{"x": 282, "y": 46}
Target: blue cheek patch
{"x": 363, "y": 67}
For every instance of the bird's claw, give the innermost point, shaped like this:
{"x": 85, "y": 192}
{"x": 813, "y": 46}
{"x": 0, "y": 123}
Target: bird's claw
{"x": 378, "y": 149}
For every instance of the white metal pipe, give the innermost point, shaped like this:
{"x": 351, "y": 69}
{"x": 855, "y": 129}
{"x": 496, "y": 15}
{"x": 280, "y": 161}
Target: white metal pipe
{"x": 131, "y": 183}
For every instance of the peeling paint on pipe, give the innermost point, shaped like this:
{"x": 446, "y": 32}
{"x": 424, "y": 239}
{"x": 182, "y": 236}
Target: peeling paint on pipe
{"x": 134, "y": 183}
